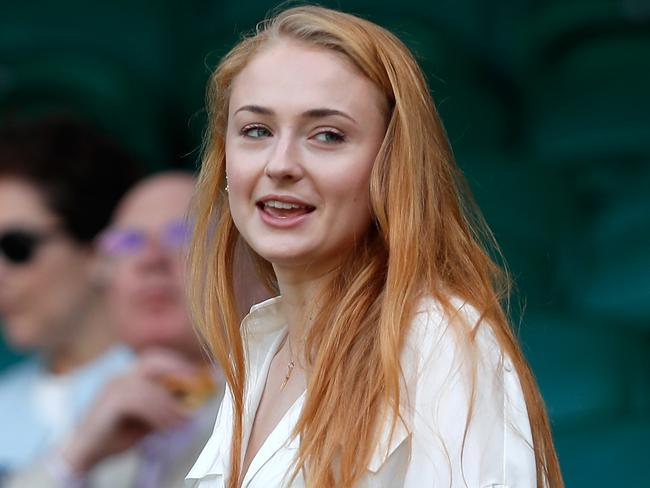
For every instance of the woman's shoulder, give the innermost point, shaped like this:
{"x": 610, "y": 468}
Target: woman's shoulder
{"x": 456, "y": 326}
{"x": 464, "y": 394}
{"x": 454, "y": 346}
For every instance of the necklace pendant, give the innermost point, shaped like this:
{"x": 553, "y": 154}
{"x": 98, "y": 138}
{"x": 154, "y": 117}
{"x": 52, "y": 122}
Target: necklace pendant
{"x": 288, "y": 375}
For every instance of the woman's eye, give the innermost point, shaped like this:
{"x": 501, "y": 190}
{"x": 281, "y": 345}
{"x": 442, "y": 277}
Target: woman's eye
{"x": 329, "y": 137}
{"x": 255, "y": 131}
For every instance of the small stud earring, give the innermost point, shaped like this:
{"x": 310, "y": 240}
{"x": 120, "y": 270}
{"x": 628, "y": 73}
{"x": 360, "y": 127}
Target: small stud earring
{"x": 227, "y": 188}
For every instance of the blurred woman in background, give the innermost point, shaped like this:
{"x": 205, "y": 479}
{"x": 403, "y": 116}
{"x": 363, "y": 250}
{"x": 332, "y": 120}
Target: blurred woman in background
{"x": 387, "y": 361}
{"x": 59, "y": 183}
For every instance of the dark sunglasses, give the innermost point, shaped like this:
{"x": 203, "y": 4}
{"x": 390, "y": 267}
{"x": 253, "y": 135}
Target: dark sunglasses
{"x": 18, "y": 246}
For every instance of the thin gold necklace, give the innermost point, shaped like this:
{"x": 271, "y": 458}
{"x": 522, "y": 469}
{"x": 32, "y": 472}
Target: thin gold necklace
{"x": 290, "y": 364}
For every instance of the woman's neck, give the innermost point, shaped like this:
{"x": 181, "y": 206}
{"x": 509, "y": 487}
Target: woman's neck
{"x": 300, "y": 301}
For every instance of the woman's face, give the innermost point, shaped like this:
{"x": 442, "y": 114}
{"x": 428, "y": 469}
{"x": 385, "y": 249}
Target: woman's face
{"x": 304, "y": 128}
{"x": 44, "y": 285}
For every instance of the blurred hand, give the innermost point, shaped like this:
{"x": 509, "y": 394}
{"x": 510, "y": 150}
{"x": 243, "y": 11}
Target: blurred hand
{"x": 130, "y": 407}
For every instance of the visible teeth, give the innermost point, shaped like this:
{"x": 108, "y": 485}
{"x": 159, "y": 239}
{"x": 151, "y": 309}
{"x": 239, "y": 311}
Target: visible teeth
{"x": 282, "y": 205}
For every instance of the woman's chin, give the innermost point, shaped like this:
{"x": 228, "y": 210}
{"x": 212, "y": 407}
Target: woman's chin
{"x": 283, "y": 253}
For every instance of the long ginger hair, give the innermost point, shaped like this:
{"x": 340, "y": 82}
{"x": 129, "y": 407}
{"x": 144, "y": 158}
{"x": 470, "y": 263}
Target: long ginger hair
{"x": 427, "y": 236}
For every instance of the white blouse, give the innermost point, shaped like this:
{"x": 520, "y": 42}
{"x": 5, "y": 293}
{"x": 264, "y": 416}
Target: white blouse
{"x": 434, "y": 447}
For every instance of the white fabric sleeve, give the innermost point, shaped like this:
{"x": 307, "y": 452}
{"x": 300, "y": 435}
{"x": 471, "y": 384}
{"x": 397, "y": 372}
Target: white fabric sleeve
{"x": 494, "y": 449}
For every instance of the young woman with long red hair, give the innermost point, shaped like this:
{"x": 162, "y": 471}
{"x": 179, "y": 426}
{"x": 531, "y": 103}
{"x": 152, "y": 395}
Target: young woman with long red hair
{"x": 387, "y": 359}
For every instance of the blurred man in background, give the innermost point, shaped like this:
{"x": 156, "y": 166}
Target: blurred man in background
{"x": 60, "y": 181}
{"x": 150, "y": 424}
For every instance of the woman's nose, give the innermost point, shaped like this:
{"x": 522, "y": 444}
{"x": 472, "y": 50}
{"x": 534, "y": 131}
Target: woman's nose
{"x": 284, "y": 163}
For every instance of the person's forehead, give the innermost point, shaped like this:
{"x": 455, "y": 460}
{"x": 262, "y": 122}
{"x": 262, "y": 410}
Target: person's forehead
{"x": 22, "y": 203}
{"x": 309, "y": 75}
{"x": 155, "y": 203}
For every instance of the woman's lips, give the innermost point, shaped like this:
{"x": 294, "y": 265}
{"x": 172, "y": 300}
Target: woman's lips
{"x": 283, "y": 217}
{"x": 282, "y": 211}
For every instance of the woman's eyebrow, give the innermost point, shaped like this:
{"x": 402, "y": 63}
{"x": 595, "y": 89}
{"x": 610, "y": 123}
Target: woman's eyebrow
{"x": 256, "y": 109}
{"x": 318, "y": 113}
{"x": 315, "y": 113}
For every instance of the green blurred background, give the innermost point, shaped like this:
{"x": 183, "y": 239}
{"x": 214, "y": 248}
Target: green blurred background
{"x": 547, "y": 105}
